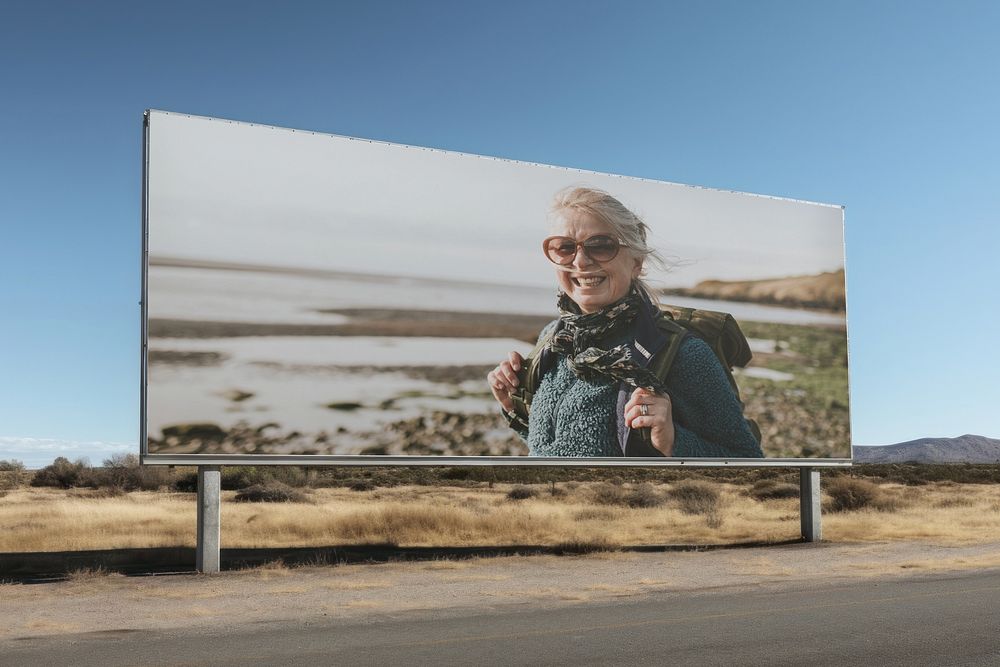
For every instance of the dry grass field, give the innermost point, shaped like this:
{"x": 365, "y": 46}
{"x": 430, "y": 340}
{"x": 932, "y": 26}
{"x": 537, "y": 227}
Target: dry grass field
{"x": 595, "y": 514}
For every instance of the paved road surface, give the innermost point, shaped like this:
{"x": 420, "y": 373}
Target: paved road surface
{"x": 947, "y": 620}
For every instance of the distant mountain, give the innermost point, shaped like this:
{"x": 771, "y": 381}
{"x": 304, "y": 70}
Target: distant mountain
{"x": 824, "y": 290}
{"x": 963, "y": 449}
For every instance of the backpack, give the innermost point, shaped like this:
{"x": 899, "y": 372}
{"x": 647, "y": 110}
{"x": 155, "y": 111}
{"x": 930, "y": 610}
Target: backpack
{"x": 719, "y": 330}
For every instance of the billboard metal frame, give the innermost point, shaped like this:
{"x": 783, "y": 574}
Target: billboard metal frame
{"x": 535, "y": 461}
{"x": 144, "y": 269}
{"x": 383, "y": 460}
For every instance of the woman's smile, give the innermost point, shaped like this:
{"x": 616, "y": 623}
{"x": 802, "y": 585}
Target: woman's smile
{"x": 588, "y": 281}
{"x": 593, "y": 284}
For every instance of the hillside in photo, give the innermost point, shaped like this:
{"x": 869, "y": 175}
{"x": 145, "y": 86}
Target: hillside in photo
{"x": 826, "y": 291}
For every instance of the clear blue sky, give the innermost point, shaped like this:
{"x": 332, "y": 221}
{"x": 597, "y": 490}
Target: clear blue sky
{"x": 890, "y": 108}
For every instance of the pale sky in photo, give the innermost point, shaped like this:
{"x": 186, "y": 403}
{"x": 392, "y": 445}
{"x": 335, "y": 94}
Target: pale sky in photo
{"x": 237, "y": 192}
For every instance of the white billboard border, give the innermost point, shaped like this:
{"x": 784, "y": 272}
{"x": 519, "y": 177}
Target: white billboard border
{"x": 374, "y": 460}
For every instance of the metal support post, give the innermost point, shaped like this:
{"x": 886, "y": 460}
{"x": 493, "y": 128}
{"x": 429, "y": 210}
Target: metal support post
{"x": 809, "y": 505}
{"x": 209, "y": 519}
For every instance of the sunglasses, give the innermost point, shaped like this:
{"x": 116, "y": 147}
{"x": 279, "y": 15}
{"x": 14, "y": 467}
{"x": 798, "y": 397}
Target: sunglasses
{"x": 562, "y": 250}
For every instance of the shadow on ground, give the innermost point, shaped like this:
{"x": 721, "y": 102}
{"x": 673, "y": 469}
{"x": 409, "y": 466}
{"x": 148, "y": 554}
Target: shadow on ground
{"x": 56, "y": 565}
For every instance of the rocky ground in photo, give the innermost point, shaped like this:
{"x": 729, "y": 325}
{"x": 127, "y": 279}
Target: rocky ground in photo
{"x": 436, "y": 433}
{"x": 798, "y": 396}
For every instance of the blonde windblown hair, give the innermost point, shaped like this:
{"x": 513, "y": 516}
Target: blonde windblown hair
{"x": 628, "y": 226}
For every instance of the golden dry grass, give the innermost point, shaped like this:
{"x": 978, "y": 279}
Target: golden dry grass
{"x": 947, "y": 513}
{"x": 41, "y": 519}
{"x": 53, "y": 520}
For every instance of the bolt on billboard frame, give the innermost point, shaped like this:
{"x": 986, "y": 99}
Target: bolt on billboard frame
{"x": 203, "y": 276}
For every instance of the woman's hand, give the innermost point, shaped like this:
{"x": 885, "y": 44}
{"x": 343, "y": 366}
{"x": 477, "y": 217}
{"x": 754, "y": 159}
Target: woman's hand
{"x": 503, "y": 380}
{"x": 647, "y": 409}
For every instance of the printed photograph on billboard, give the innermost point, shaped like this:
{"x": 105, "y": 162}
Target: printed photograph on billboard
{"x": 311, "y": 294}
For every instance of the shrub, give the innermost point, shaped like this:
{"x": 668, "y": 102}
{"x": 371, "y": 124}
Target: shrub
{"x": 123, "y": 471}
{"x": 235, "y": 478}
{"x": 608, "y": 494}
{"x": 772, "y": 489}
{"x": 643, "y": 495}
{"x": 61, "y": 473}
{"x": 463, "y": 474}
{"x": 362, "y": 485}
{"x": 522, "y": 493}
{"x": 273, "y": 492}
{"x": 290, "y": 475}
{"x": 232, "y": 479}
{"x": 10, "y": 480}
{"x": 695, "y": 497}
{"x": 185, "y": 482}
{"x": 848, "y": 494}
{"x": 11, "y": 466}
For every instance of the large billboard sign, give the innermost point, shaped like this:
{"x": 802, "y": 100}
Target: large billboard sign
{"x": 312, "y": 298}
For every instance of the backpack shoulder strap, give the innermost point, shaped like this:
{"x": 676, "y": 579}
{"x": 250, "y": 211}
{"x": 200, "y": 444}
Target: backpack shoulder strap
{"x": 664, "y": 359}
{"x": 529, "y": 377}
{"x": 661, "y": 362}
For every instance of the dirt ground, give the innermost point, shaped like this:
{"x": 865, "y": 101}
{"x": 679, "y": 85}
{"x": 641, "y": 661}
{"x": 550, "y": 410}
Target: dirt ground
{"x": 97, "y": 602}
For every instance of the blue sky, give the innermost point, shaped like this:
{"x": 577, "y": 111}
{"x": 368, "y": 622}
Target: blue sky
{"x": 889, "y": 108}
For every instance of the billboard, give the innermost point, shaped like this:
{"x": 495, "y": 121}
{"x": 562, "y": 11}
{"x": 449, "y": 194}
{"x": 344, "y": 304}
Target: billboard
{"x": 319, "y": 298}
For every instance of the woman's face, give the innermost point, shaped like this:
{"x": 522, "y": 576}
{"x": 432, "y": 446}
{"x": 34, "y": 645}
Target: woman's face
{"x": 594, "y": 285}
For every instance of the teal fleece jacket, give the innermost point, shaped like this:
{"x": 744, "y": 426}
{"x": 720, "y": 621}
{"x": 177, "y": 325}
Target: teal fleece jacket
{"x": 575, "y": 417}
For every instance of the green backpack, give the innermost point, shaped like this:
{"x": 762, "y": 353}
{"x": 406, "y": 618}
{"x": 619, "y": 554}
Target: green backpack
{"x": 719, "y": 330}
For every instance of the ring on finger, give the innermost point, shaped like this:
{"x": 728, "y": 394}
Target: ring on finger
{"x": 644, "y": 410}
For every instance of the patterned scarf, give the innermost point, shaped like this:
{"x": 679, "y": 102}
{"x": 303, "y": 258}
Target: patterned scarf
{"x": 581, "y": 334}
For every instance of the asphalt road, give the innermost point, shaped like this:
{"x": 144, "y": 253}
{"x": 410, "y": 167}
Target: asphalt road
{"x": 948, "y": 620}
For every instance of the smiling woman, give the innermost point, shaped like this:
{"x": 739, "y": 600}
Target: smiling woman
{"x": 615, "y": 375}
